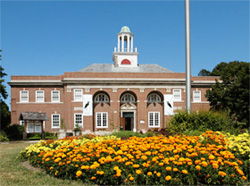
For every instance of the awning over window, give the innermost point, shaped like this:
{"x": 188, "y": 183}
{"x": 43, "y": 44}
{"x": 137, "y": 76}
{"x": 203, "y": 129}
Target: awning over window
{"x": 33, "y": 116}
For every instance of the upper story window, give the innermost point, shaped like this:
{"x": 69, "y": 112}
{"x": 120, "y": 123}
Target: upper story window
{"x": 77, "y": 94}
{"x": 177, "y": 94}
{"x": 39, "y": 96}
{"x": 55, "y": 96}
{"x": 153, "y": 98}
{"x": 101, "y": 98}
{"x": 128, "y": 97}
{"x": 197, "y": 96}
{"x": 24, "y": 96}
{"x": 55, "y": 120}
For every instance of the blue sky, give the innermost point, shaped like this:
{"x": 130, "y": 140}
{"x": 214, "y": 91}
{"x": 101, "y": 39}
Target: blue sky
{"x": 53, "y": 37}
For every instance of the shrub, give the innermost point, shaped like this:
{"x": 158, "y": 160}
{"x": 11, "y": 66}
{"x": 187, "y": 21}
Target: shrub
{"x": 127, "y": 134}
{"x": 201, "y": 121}
{"x": 3, "y": 136}
{"x": 15, "y": 132}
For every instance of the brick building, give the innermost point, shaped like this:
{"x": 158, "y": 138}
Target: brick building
{"x": 107, "y": 96}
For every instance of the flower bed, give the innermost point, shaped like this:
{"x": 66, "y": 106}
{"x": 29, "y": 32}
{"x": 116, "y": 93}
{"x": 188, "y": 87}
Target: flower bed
{"x": 150, "y": 160}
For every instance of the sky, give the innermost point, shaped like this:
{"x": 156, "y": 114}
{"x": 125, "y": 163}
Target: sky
{"x": 53, "y": 37}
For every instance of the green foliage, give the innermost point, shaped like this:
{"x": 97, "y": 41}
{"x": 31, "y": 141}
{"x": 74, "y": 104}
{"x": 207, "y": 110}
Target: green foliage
{"x": 3, "y": 136}
{"x": 15, "y": 132}
{"x": 120, "y": 134}
{"x": 5, "y": 115}
{"x": 200, "y": 121}
{"x": 232, "y": 94}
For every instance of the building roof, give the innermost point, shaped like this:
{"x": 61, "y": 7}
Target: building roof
{"x": 35, "y": 116}
{"x": 125, "y": 29}
{"x": 142, "y": 68}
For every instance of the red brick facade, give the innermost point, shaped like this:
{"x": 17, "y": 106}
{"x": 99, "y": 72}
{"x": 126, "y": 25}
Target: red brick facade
{"x": 113, "y": 85}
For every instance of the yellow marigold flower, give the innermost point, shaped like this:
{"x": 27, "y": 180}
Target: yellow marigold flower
{"x": 116, "y": 168}
{"x": 144, "y": 157}
{"x": 51, "y": 168}
{"x": 198, "y": 167}
{"x": 56, "y": 173}
{"x": 167, "y": 178}
{"x": 149, "y": 173}
{"x": 78, "y": 173}
{"x": 184, "y": 171}
{"x": 211, "y": 157}
{"x": 93, "y": 178}
{"x": 215, "y": 165}
{"x": 221, "y": 173}
{"x": 168, "y": 168}
{"x": 158, "y": 174}
{"x": 138, "y": 172}
{"x": 204, "y": 164}
{"x": 136, "y": 166}
{"x": 161, "y": 164}
{"x": 131, "y": 178}
{"x": 175, "y": 169}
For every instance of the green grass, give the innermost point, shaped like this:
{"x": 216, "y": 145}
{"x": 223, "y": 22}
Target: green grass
{"x": 13, "y": 173}
{"x": 120, "y": 134}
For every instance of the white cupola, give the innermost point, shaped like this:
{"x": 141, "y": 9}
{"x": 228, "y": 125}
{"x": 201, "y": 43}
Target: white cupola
{"x": 124, "y": 54}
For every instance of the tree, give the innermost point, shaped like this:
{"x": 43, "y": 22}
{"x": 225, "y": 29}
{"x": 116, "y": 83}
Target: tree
{"x": 4, "y": 113}
{"x": 232, "y": 94}
{"x": 204, "y": 72}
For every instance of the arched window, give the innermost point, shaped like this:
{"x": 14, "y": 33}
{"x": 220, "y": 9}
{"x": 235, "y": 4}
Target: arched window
{"x": 154, "y": 98}
{"x": 126, "y": 62}
{"x": 101, "y": 98}
{"x": 128, "y": 97}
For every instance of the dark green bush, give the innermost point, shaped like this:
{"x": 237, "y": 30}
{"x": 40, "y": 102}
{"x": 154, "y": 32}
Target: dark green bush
{"x": 3, "y": 136}
{"x": 120, "y": 134}
{"x": 14, "y": 132}
{"x": 201, "y": 121}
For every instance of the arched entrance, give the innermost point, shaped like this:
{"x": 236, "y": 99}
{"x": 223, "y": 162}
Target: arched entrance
{"x": 128, "y": 111}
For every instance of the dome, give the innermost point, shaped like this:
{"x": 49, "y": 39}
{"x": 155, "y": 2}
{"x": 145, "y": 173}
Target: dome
{"x": 125, "y": 29}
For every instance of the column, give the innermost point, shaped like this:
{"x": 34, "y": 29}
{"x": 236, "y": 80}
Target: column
{"x": 132, "y": 44}
{"x": 122, "y": 43}
{"x": 118, "y": 44}
{"x": 128, "y": 41}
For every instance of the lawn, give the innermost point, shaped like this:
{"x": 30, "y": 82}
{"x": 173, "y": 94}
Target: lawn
{"x": 12, "y": 171}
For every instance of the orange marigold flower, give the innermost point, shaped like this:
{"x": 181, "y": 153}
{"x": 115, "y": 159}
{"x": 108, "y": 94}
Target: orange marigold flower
{"x": 161, "y": 164}
{"x": 167, "y": 178}
{"x": 232, "y": 175}
{"x": 175, "y": 169}
{"x": 158, "y": 174}
{"x": 138, "y": 172}
{"x": 204, "y": 164}
{"x": 198, "y": 167}
{"x": 168, "y": 168}
{"x": 221, "y": 173}
{"x": 244, "y": 177}
{"x": 93, "y": 178}
{"x": 215, "y": 165}
{"x": 211, "y": 157}
{"x": 184, "y": 171}
{"x": 136, "y": 166}
{"x": 149, "y": 173}
{"x": 131, "y": 178}
{"x": 78, "y": 173}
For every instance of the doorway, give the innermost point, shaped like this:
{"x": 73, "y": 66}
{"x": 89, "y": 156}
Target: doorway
{"x": 128, "y": 120}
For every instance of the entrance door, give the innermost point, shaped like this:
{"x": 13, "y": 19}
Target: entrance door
{"x": 129, "y": 119}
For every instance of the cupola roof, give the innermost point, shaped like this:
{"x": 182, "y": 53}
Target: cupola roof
{"x": 125, "y": 29}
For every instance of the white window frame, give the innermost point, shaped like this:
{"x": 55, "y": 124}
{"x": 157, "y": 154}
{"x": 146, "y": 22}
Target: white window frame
{"x": 52, "y": 92}
{"x": 159, "y": 119}
{"x": 37, "y": 97}
{"x": 28, "y": 126}
{"x": 75, "y": 98}
{"x": 24, "y": 101}
{"x": 37, "y": 124}
{"x": 22, "y": 122}
{"x": 102, "y": 113}
{"x": 177, "y": 94}
{"x": 79, "y": 124}
{"x": 197, "y": 100}
{"x": 52, "y": 122}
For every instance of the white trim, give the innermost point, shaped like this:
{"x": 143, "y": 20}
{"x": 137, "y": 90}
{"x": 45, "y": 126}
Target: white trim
{"x": 201, "y": 102}
{"x": 75, "y": 100}
{"x": 43, "y": 96}
{"x": 21, "y": 101}
{"x": 80, "y": 124}
{"x": 39, "y": 102}
{"x": 129, "y": 79}
{"x": 198, "y": 94}
{"x": 159, "y": 118}
{"x": 35, "y": 81}
{"x": 52, "y": 122}
{"x": 52, "y": 96}
{"x": 101, "y": 127}
{"x": 176, "y": 94}
{"x": 125, "y": 87}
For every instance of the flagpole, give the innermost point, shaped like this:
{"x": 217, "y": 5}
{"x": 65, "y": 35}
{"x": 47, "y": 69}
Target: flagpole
{"x": 188, "y": 57}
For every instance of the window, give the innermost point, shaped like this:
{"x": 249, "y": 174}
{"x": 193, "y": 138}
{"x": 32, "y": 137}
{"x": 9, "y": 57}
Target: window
{"x": 24, "y": 96}
{"x": 55, "y": 119}
{"x": 197, "y": 96}
{"x": 101, "y": 120}
{"x": 78, "y": 120}
{"x": 153, "y": 98}
{"x": 127, "y": 98}
{"x": 40, "y": 96}
{"x": 30, "y": 128}
{"x": 154, "y": 119}
{"x": 78, "y": 95}
{"x": 38, "y": 127}
{"x": 177, "y": 94}
{"x": 101, "y": 98}
{"x": 55, "y": 96}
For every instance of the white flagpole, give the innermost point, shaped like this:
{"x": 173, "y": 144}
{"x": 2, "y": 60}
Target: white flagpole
{"x": 188, "y": 57}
